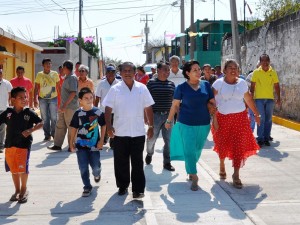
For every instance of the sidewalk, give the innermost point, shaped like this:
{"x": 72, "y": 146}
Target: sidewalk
{"x": 270, "y": 194}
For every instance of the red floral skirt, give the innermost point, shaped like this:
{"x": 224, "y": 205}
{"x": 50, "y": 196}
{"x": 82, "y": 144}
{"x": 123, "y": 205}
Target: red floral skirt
{"x": 234, "y": 138}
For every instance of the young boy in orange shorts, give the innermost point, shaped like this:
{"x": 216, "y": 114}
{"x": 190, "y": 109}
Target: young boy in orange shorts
{"x": 21, "y": 122}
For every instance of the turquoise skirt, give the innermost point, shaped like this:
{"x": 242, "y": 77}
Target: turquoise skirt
{"x": 187, "y": 143}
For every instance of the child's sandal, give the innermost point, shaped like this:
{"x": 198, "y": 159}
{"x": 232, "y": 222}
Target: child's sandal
{"x": 23, "y": 198}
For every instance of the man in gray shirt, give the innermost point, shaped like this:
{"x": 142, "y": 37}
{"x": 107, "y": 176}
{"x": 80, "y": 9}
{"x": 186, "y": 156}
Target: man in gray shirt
{"x": 69, "y": 104}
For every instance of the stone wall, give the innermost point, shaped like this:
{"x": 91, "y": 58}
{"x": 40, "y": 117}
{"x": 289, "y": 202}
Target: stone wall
{"x": 281, "y": 42}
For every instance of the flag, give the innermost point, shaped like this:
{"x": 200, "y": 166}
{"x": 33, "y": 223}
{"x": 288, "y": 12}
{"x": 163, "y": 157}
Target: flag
{"x": 246, "y": 4}
{"x": 192, "y": 34}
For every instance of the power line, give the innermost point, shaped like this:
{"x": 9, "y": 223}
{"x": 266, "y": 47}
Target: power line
{"x": 77, "y": 9}
{"x": 113, "y": 21}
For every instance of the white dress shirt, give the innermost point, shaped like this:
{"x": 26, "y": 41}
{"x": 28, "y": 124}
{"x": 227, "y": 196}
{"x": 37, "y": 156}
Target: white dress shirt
{"x": 102, "y": 90}
{"x": 128, "y": 107}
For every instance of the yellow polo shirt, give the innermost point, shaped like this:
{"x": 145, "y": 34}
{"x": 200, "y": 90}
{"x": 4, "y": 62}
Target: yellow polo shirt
{"x": 264, "y": 83}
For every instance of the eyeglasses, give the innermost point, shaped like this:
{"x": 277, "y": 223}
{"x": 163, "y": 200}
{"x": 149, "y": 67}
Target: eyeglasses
{"x": 82, "y": 71}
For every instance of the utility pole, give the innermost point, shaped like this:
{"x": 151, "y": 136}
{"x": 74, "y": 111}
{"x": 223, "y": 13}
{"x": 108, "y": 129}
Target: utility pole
{"x": 192, "y": 43}
{"x": 80, "y": 30}
{"x": 235, "y": 32}
{"x": 182, "y": 39}
{"x": 147, "y": 31}
{"x": 214, "y": 10}
{"x": 102, "y": 59}
{"x": 244, "y": 22}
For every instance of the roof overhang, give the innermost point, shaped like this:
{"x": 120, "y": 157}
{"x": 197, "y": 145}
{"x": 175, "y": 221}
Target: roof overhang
{"x": 19, "y": 40}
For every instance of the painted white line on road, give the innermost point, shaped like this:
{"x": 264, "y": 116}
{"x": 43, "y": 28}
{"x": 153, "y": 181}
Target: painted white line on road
{"x": 148, "y": 206}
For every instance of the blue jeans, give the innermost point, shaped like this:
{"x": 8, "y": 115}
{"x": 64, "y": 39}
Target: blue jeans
{"x": 86, "y": 157}
{"x": 252, "y": 119}
{"x": 265, "y": 108}
{"x": 159, "y": 125}
{"x": 48, "y": 108}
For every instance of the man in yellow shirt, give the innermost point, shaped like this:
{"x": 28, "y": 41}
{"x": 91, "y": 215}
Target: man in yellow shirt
{"x": 46, "y": 89}
{"x": 263, "y": 83}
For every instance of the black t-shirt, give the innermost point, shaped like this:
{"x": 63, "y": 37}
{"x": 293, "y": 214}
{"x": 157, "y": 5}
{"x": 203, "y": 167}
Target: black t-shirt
{"x": 16, "y": 124}
{"x": 87, "y": 124}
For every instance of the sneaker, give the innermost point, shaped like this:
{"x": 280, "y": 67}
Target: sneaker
{"x": 122, "y": 191}
{"x": 97, "y": 179}
{"x": 87, "y": 192}
{"x": 54, "y": 147}
{"x": 138, "y": 195}
{"x": 169, "y": 167}
{"x": 47, "y": 138}
{"x": 260, "y": 143}
{"x": 148, "y": 159}
{"x": 267, "y": 143}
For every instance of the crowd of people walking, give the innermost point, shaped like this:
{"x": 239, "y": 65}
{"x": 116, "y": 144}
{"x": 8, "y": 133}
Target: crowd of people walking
{"x": 184, "y": 104}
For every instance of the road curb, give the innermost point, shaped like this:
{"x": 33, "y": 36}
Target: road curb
{"x": 286, "y": 123}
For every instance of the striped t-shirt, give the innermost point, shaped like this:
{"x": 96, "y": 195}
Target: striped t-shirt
{"x": 162, "y": 93}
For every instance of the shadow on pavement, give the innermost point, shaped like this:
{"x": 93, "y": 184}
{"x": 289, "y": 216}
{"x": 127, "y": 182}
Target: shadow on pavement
{"x": 208, "y": 145}
{"x": 247, "y": 198}
{"x": 155, "y": 181}
{"x": 272, "y": 153}
{"x": 115, "y": 212}
{"x": 187, "y": 206}
{"x": 64, "y": 211}
{"x": 40, "y": 145}
{"x": 54, "y": 158}
{"x": 7, "y": 210}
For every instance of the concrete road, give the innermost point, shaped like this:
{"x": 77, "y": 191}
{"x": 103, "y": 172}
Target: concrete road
{"x": 271, "y": 193}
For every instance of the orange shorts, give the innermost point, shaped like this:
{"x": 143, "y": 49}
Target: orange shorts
{"x": 17, "y": 160}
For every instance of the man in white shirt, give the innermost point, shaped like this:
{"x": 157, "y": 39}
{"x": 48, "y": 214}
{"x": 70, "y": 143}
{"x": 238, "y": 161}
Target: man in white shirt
{"x": 102, "y": 90}
{"x": 175, "y": 73}
{"x": 5, "y": 88}
{"x": 129, "y": 100}
{"x": 104, "y": 86}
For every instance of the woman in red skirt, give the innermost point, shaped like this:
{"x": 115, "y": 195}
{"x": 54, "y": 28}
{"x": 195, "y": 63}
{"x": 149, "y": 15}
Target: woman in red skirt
{"x": 233, "y": 136}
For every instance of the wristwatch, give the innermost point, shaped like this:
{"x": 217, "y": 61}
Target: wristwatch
{"x": 169, "y": 122}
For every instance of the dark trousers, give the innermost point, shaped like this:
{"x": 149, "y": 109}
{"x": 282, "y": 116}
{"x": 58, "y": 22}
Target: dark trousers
{"x": 128, "y": 149}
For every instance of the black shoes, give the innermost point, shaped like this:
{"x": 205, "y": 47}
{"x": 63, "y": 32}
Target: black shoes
{"x": 47, "y": 138}
{"x": 169, "y": 167}
{"x": 87, "y": 192}
{"x": 148, "y": 159}
{"x": 267, "y": 143}
{"x": 271, "y": 139}
{"x": 97, "y": 179}
{"x": 260, "y": 143}
{"x": 54, "y": 147}
{"x": 122, "y": 191}
{"x": 137, "y": 195}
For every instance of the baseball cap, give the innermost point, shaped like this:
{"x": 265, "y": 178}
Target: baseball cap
{"x": 110, "y": 68}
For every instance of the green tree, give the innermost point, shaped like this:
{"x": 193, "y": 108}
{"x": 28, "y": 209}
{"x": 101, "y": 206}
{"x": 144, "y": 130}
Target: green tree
{"x": 275, "y": 9}
{"x": 89, "y": 47}
{"x": 116, "y": 62}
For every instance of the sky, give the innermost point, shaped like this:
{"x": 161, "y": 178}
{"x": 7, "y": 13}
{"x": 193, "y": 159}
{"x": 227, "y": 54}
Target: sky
{"x": 118, "y": 22}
